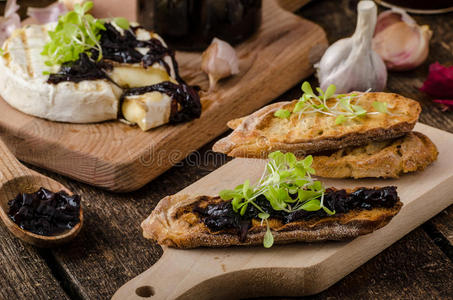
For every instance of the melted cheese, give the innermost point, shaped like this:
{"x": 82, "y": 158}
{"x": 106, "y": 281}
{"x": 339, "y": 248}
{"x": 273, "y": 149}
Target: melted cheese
{"x": 132, "y": 76}
{"x": 148, "y": 110}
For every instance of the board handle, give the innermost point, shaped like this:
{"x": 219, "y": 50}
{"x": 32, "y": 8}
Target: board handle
{"x": 10, "y": 167}
{"x": 174, "y": 274}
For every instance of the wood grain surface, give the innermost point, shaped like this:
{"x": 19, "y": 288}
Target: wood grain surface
{"x": 110, "y": 250}
{"x": 122, "y": 158}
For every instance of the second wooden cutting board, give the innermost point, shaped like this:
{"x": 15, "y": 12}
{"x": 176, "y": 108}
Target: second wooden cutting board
{"x": 118, "y": 157}
{"x": 296, "y": 269}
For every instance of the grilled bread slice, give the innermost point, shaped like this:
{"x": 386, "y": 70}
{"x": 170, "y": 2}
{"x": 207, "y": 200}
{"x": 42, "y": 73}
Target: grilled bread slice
{"x": 175, "y": 222}
{"x": 386, "y": 159}
{"x": 261, "y": 133}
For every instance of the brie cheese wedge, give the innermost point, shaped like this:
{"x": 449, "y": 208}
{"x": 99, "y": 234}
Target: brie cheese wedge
{"x": 24, "y": 86}
{"x": 148, "y": 110}
{"x": 151, "y": 109}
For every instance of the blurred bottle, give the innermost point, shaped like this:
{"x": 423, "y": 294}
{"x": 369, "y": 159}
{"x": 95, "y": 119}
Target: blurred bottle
{"x": 420, "y": 6}
{"x": 192, "y": 24}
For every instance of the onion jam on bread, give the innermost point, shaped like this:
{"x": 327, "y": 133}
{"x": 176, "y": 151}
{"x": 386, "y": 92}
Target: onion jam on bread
{"x": 285, "y": 205}
{"x": 386, "y": 159}
{"x": 183, "y": 221}
{"x": 329, "y": 124}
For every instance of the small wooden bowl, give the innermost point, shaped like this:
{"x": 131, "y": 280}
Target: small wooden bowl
{"x": 15, "y": 178}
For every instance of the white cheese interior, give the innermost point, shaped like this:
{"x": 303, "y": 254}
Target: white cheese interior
{"x": 132, "y": 76}
{"x": 148, "y": 110}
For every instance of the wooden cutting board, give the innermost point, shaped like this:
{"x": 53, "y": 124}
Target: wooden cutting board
{"x": 296, "y": 269}
{"x": 118, "y": 157}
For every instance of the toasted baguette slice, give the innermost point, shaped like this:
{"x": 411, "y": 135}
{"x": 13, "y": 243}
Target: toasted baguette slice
{"x": 386, "y": 159}
{"x": 174, "y": 223}
{"x": 261, "y": 133}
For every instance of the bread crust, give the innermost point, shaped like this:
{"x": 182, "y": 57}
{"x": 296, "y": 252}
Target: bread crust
{"x": 173, "y": 225}
{"x": 261, "y": 133}
{"x": 386, "y": 159}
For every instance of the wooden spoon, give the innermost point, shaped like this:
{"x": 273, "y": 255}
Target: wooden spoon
{"x": 15, "y": 178}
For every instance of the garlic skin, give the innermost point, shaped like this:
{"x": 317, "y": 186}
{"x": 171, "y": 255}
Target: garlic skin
{"x": 351, "y": 64}
{"x": 69, "y": 4}
{"x": 219, "y": 61}
{"x": 10, "y": 21}
{"x": 44, "y": 15}
{"x": 400, "y": 41}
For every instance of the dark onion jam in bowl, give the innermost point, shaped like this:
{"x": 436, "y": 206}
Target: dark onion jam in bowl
{"x": 25, "y": 216}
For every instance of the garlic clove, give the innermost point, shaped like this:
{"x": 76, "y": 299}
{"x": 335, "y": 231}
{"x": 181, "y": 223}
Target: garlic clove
{"x": 390, "y": 17}
{"x": 402, "y": 44}
{"x": 10, "y": 21}
{"x": 44, "y": 15}
{"x": 69, "y": 4}
{"x": 351, "y": 64}
{"x": 219, "y": 61}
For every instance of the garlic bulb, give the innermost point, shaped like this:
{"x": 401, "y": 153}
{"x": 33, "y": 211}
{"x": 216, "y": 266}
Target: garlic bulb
{"x": 219, "y": 61}
{"x": 402, "y": 44}
{"x": 351, "y": 64}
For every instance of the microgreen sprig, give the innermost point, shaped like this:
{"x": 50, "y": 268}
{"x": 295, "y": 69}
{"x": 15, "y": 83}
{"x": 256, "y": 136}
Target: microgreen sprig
{"x": 288, "y": 186}
{"x": 346, "y": 106}
{"x": 76, "y": 32}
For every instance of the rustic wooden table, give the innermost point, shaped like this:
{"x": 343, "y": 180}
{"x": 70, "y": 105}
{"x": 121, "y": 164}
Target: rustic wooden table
{"x": 111, "y": 250}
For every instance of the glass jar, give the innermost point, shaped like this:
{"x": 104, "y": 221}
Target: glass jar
{"x": 420, "y": 6}
{"x": 192, "y": 24}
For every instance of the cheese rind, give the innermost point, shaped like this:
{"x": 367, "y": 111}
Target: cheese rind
{"x": 24, "y": 86}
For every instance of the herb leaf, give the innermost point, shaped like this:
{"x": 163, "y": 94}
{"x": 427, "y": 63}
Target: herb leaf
{"x": 340, "y": 119}
{"x": 264, "y": 216}
{"x": 300, "y": 105}
{"x": 312, "y": 205}
{"x": 123, "y": 23}
{"x": 306, "y": 88}
{"x": 268, "y": 237}
{"x": 330, "y": 92}
{"x": 343, "y": 106}
{"x": 76, "y": 32}
{"x": 282, "y": 113}
{"x": 380, "y": 107}
{"x": 358, "y": 110}
{"x": 287, "y": 185}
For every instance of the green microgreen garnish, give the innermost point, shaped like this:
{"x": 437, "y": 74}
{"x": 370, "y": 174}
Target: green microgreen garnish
{"x": 380, "y": 107}
{"x": 76, "y": 32}
{"x": 122, "y": 23}
{"x": 2, "y": 52}
{"x": 346, "y": 106}
{"x": 282, "y": 113}
{"x": 288, "y": 186}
